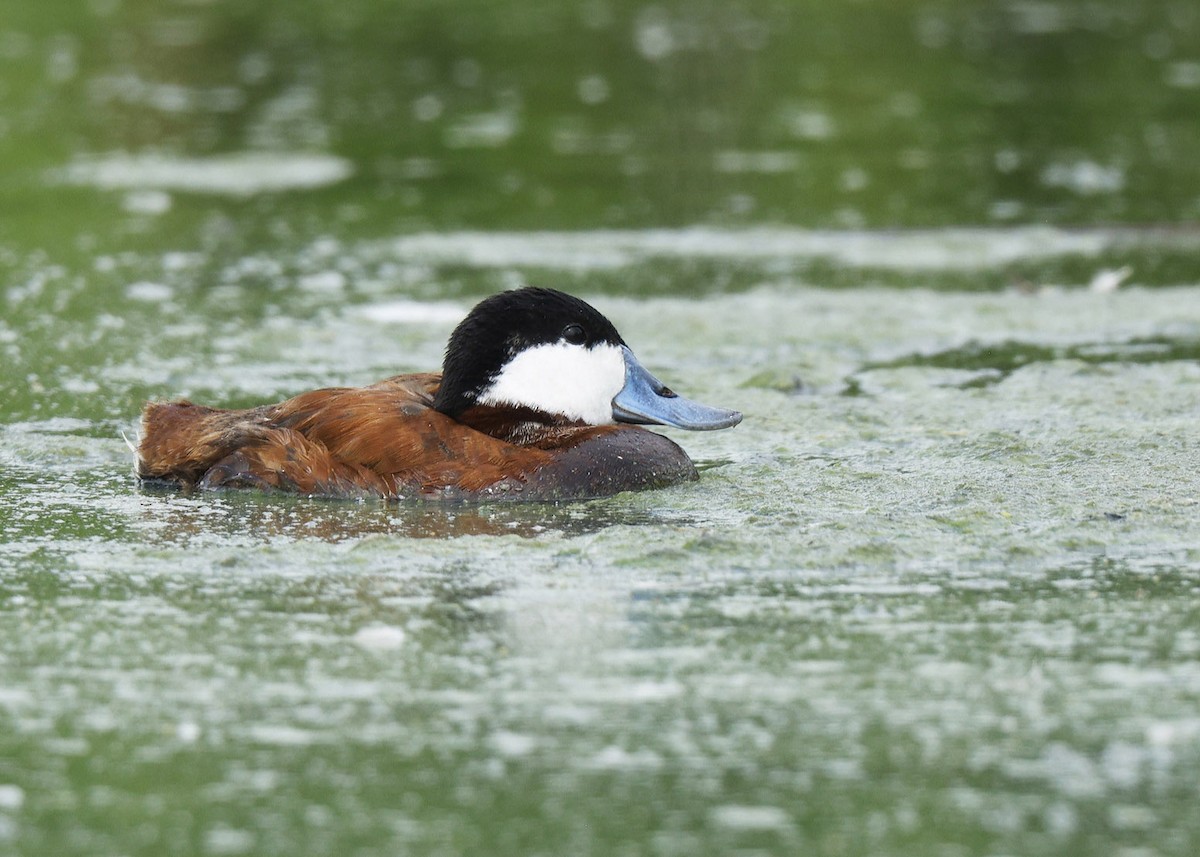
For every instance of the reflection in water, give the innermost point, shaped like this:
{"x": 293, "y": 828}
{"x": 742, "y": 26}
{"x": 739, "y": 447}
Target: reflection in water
{"x": 272, "y": 516}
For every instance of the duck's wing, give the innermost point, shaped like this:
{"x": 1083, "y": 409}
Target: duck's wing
{"x": 391, "y": 430}
{"x": 266, "y": 447}
{"x": 384, "y": 440}
{"x": 179, "y": 441}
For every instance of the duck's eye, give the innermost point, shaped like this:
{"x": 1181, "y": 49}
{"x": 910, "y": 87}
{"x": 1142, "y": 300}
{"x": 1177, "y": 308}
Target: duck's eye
{"x": 574, "y": 334}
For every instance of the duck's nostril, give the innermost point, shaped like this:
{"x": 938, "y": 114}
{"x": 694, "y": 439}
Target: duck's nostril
{"x": 668, "y": 393}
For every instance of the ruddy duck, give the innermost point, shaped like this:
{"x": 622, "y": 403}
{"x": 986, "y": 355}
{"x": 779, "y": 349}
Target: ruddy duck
{"x": 539, "y": 399}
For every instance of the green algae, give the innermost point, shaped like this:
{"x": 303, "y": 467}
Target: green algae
{"x": 1004, "y": 358}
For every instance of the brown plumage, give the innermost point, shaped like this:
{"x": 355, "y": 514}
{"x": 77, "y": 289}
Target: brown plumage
{"x": 387, "y": 441}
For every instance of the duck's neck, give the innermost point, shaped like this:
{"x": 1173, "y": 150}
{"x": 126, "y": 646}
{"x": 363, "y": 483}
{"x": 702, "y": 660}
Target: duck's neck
{"x": 516, "y": 425}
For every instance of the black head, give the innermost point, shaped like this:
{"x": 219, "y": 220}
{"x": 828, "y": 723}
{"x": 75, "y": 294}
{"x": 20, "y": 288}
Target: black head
{"x": 502, "y": 326}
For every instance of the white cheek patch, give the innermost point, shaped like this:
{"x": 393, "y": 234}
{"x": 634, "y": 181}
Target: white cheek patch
{"x": 575, "y": 382}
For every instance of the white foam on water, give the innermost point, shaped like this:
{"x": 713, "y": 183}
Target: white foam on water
{"x": 412, "y": 312}
{"x": 12, "y": 797}
{"x": 734, "y": 161}
{"x": 1084, "y": 177}
{"x": 147, "y": 201}
{"x": 965, "y": 249}
{"x": 169, "y": 98}
{"x": 228, "y": 840}
{"x": 279, "y": 735}
{"x": 1183, "y": 75}
{"x": 482, "y": 130}
{"x": 739, "y": 817}
{"x": 149, "y": 292}
{"x": 380, "y": 638}
{"x": 236, "y": 174}
{"x": 512, "y": 744}
{"x": 615, "y": 758}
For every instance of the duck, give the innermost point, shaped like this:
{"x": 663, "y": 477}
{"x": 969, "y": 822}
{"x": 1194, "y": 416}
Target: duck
{"x": 539, "y": 399}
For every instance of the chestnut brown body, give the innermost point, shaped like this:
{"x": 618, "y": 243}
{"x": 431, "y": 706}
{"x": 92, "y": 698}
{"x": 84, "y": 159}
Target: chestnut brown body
{"x": 388, "y": 441}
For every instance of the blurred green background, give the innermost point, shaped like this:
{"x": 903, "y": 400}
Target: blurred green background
{"x": 460, "y": 114}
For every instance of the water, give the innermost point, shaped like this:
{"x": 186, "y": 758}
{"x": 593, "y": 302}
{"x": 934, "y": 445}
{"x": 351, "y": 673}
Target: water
{"x": 936, "y": 595}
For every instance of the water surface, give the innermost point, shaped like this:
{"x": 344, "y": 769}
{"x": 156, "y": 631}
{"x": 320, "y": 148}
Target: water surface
{"x": 936, "y": 595}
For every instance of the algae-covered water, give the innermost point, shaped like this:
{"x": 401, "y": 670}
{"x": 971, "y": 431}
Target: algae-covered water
{"x": 939, "y": 594}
